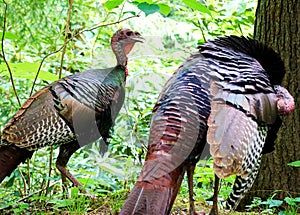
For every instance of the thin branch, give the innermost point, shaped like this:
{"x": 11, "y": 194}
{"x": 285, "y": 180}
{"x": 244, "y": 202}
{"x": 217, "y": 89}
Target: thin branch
{"x": 42, "y": 185}
{"x": 103, "y": 25}
{"x": 67, "y": 29}
{"x": 28, "y": 175}
{"x": 3, "y": 53}
{"x": 40, "y": 67}
{"x": 97, "y": 36}
{"x": 23, "y": 179}
{"x": 80, "y": 32}
{"x": 50, "y": 169}
{"x": 120, "y": 14}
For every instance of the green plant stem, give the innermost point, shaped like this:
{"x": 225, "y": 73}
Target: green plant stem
{"x": 201, "y": 29}
{"x": 28, "y": 174}
{"x": 50, "y": 169}
{"x": 3, "y": 53}
{"x": 67, "y": 29}
{"x": 23, "y": 179}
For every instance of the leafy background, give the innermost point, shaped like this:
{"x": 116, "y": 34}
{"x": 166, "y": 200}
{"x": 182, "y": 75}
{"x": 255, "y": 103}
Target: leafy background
{"x": 173, "y": 30}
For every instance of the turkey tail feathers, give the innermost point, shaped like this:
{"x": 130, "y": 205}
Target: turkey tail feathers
{"x": 10, "y": 158}
{"x": 147, "y": 200}
{"x": 155, "y": 197}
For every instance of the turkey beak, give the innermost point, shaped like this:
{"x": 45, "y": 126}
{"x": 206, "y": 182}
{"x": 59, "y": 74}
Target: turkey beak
{"x": 138, "y": 38}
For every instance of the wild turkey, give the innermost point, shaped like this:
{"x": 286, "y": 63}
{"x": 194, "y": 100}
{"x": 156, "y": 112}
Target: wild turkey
{"x": 71, "y": 112}
{"x": 227, "y": 71}
{"x": 244, "y": 113}
{"x": 241, "y": 155}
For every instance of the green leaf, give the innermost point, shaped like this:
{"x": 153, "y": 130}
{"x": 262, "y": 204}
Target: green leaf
{"x": 148, "y": 8}
{"x": 274, "y": 203}
{"x": 9, "y": 35}
{"x": 164, "y": 9}
{"x": 142, "y": 1}
{"x": 111, "y": 4}
{"x": 291, "y": 201}
{"x": 74, "y": 192}
{"x": 60, "y": 203}
{"x": 26, "y": 70}
{"x": 10, "y": 182}
{"x": 193, "y": 4}
{"x": 295, "y": 163}
{"x": 131, "y": 12}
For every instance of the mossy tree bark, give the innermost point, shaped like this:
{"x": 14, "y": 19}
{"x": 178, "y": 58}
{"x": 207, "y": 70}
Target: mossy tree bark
{"x": 278, "y": 25}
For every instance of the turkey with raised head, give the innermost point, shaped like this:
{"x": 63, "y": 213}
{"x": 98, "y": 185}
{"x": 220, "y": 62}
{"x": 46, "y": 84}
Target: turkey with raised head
{"x": 236, "y": 72}
{"x": 71, "y": 112}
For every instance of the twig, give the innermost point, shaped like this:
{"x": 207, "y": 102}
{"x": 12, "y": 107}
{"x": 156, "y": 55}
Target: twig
{"x": 3, "y": 53}
{"x": 28, "y": 175}
{"x": 95, "y": 41}
{"x": 80, "y": 32}
{"x": 40, "y": 67}
{"x": 23, "y": 179}
{"x": 121, "y": 11}
{"x": 103, "y": 25}
{"x": 50, "y": 169}
{"x": 66, "y": 38}
{"x": 42, "y": 185}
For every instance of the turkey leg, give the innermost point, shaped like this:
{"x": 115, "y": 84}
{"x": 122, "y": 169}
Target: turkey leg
{"x": 65, "y": 152}
{"x": 214, "y": 210}
{"x": 190, "y": 174}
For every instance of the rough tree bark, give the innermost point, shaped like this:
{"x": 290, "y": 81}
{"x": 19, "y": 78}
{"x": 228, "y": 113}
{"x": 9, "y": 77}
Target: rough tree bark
{"x": 278, "y": 25}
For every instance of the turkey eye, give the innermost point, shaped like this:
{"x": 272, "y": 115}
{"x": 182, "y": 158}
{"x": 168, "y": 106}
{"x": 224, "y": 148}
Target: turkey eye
{"x": 129, "y": 33}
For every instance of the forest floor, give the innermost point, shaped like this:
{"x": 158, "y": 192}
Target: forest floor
{"x": 99, "y": 206}
{"x": 109, "y": 204}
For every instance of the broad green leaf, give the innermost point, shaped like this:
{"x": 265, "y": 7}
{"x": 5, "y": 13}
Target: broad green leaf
{"x": 9, "y": 35}
{"x": 26, "y": 70}
{"x": 111, "y": 4}
{"x": 164, "y": 9}
{"x": 148, "y": 8}
{"x": 295, "y": 163}
{"x": 193, "y": 4}
{"x": 142, "y": 1}
{"x": 292, "y": 201}
{"x": 10, "y": 182}
{"x": 274, "y": 203}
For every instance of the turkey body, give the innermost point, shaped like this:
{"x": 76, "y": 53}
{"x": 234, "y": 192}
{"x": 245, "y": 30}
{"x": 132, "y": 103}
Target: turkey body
{"x": 177, "y": 137}
{"x": 71, "y": 112}
{"x": 227, "y": 87}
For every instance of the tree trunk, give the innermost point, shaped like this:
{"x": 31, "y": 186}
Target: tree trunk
{"x": 277, "y": 25}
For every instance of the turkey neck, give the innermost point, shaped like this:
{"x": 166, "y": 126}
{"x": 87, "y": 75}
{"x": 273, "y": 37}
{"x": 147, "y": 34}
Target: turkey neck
{"x": 120, "y": 54}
